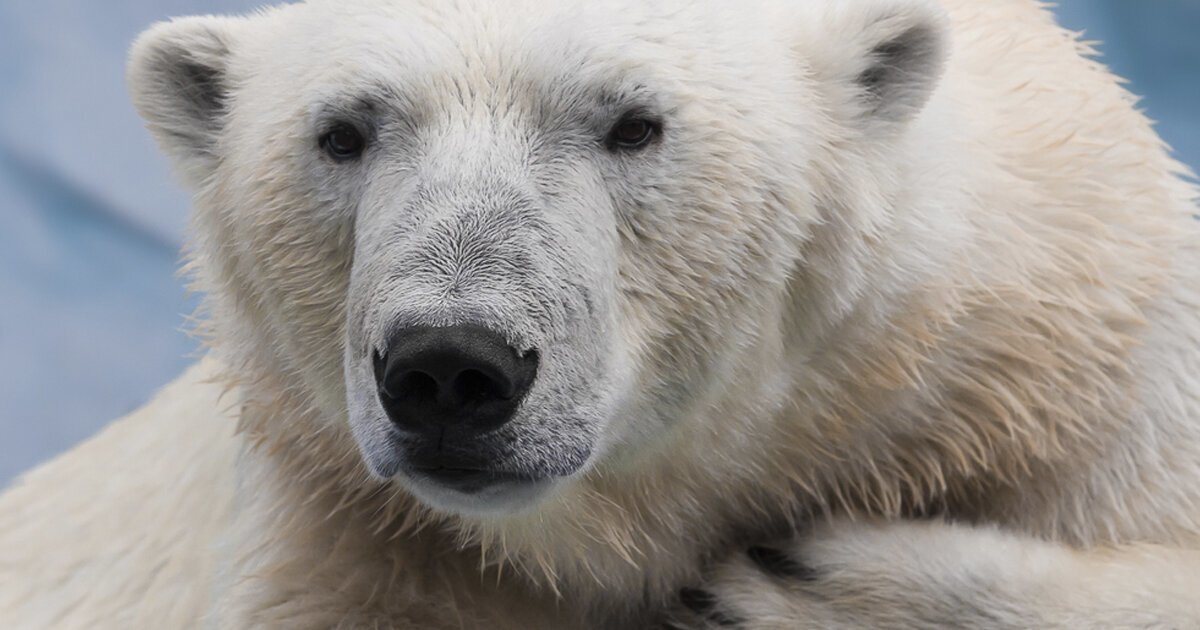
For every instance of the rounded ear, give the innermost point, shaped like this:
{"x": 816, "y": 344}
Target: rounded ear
{"x": 177, "y": 75}
{"x": 889, "y": 54}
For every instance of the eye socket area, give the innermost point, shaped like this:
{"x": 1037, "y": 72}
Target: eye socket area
{"x": 343, "y": 142}
{"x": 634, "y": 131}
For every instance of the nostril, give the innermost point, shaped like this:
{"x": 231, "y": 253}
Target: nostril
{"x": 475, "y": 386}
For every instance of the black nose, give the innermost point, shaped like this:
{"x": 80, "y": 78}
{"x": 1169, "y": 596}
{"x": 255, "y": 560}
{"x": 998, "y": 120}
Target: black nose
{"x": 465, "y": 378}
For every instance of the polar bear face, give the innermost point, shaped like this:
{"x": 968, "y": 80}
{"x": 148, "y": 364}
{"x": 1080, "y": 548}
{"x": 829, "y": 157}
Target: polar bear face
{"x": 502, "y": 244}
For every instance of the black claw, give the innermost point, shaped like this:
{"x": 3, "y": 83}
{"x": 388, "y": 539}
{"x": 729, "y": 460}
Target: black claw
{"x": 779, "y": 564}
{"x": 704, "y": 604}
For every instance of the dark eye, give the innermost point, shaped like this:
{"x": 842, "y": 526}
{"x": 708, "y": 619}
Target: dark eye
{"x": 343, "y": 142}
{"x": 633, "y": 132}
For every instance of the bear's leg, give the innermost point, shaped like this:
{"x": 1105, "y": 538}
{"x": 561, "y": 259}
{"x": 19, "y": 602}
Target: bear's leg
{"x": 935, "y": 575}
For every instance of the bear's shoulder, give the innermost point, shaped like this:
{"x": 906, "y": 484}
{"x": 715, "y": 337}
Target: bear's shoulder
{"x": 121, "y": 528}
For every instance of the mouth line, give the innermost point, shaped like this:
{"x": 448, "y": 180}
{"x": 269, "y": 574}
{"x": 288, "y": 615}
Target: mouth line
{"x": 469, "y": 479}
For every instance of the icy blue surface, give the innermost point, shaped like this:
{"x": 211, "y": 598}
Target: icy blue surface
{"x": 1156, "y": 45}
{"x": 91, "y": 316}
{"x": 90, "y": 221}
{"x": 91, "y": 310}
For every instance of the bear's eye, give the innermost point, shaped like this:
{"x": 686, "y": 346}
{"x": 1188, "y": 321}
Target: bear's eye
{"x": 343, "y": 142}
{"x": 633, "y": 131}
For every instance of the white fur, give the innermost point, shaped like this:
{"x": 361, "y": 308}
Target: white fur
{"x": 909, "y": 289}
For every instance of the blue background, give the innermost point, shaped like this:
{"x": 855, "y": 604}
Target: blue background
{"x": 93, "y": 313}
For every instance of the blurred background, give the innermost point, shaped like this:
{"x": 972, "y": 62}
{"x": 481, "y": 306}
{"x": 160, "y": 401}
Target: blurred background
{"x": 92, "y": 315}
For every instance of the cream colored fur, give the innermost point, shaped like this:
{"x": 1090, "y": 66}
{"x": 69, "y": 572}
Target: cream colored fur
{"x": 974, "y": 401}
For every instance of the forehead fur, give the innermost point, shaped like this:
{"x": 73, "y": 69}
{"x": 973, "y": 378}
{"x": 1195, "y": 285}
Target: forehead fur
{"x": 427, "y": 55}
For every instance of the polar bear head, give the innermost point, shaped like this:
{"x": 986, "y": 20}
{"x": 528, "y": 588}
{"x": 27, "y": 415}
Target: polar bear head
{"x": 500, "y": 245}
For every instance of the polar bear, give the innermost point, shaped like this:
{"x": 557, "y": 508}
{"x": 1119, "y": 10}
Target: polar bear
{"x": 625, "y": 314}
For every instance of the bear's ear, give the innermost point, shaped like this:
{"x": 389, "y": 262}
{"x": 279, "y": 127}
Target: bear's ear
{"x": 885, "y": 55}
{"x": 177, "y": 76}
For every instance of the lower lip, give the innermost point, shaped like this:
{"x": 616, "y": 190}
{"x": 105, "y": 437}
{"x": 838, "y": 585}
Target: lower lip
{"x": 476, "y": 493}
